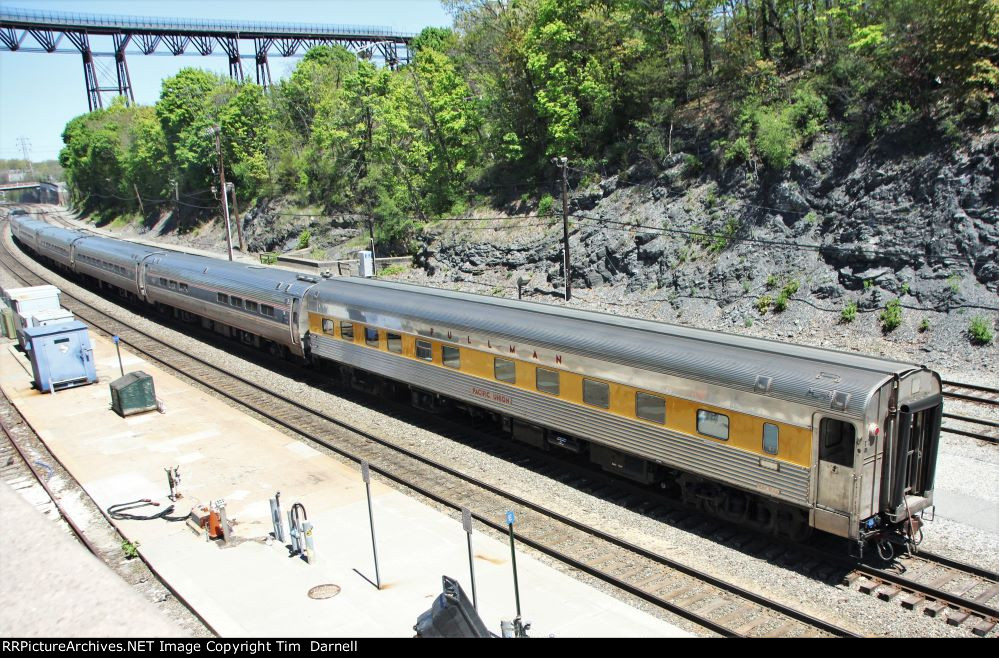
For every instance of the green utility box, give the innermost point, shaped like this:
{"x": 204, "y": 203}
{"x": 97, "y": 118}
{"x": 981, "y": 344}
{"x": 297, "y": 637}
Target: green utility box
{"x": 133, "y": 393}
{"x": 7, "y": 320}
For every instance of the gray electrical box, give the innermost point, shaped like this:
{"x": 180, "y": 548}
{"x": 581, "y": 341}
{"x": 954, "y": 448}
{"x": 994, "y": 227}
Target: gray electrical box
{"x": 133, "y": 393}
{"x": 61, "y": 355}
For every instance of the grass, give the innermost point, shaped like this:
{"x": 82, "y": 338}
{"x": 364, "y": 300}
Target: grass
{"x": 979, "y": 331}
{"x": 392, "y": 270}
{"x": 849, "y": 313}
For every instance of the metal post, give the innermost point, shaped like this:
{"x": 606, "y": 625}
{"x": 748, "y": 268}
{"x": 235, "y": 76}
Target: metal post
{"x": 374, "y": 257}
{"x": 510, "y": 519}
{"x": 366, "y": 475}
{"x": 118, "y": 347}
{"x": 565, "y": 228}
{"x": 466, "y": 522}
{"x": 276, "y": 519}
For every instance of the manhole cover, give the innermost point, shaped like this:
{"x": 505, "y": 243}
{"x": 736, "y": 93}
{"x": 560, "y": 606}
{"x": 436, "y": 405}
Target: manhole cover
{"x": 324, "y": 591}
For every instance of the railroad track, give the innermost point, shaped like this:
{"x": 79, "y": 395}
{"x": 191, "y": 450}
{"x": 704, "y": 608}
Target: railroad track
{"x": 943, "y": 588}
{"x": 711, "y": 603}
{"x": 977, "y": 395}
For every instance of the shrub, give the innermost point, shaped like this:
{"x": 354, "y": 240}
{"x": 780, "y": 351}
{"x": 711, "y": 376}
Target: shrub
{"x": 905, "y": 288}
{"x": 979, "y": 330}
{"x": 737, "y": 151}
{"x": 868, "y": 284}
{"x": 849, "y": 312}
{"x": 776, "y": 138}
{"x": 303, "y": 239}
{"x": 772, "y": 281}
{"x": 790, "y": 287}
{"x": 891, "y": 317}
{"x": 924, "y": 325}
{"x": 692, "y": 165}
{"x": 780, "y": 305}
{"x": 546, "y": 204}
{"x": 763, "y": 304}
{"x": 954, "y": 283}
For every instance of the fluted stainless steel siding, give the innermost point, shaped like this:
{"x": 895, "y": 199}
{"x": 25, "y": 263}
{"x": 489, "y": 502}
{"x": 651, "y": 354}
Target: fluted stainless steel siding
{"x": 711, "y": 459}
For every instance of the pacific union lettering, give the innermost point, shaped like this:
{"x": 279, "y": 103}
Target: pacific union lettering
{"x": 491, "y": 395}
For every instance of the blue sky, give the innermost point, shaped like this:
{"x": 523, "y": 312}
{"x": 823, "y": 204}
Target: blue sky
{"x": 40, "y": 92}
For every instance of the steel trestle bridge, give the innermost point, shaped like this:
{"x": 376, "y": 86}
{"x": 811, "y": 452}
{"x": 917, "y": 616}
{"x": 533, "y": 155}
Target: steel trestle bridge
{"x": 176, "y": 36}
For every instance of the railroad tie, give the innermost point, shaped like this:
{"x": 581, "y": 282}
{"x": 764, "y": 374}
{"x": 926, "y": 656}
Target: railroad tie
{"x": 889, "y": 594}
{"x": 677, "y": 593}
{"x": 740, "y": 611}
{"x": 782, "y": 630}
{"x": 982, "y": 628}
{"x": 705, "y": 610}
{"x": 850, "y": 578}
{"x": 748, "y": 627}
{"x": 934, "y": 609}
{"x": 689, "y": 601}
{"x": 957, "y": 618}
{"x": 988, "y": 595}
{"x": 910, "y": 601}
{"x": 868, "y": 586}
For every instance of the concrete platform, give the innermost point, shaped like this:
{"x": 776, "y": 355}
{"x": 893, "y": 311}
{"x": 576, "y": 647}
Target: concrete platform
{"x": 252, "y": 588}
{"x": 43, "y": 574}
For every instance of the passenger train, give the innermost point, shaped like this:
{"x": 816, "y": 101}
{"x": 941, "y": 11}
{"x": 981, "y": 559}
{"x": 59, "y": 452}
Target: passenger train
{"x": 782, "y": 437}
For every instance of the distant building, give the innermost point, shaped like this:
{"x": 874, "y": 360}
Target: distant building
{"x": 14, "y": 175}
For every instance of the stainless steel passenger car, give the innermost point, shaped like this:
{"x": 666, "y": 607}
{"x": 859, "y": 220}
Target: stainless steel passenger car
{"x": 115, "y": 262}
{"x": 845, "y": 442}
{"x": 258, "y": 301}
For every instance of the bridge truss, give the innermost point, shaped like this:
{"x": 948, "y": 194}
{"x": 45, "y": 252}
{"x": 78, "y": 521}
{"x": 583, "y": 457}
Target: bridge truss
{"x": 149, "y": 36}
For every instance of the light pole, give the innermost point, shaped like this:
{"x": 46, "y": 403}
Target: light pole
{"x": 216, "y": 132}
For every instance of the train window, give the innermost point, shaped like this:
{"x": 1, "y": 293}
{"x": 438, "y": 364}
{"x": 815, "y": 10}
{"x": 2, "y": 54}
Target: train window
{"x": 347, "y": 331}
{"x": 505, "y": 371}
{"x": 267, "y": 310}
{"x": 371, "y": 337}
{"x": 711, "y": 424}
{"x": 547, "y": 381}
{"x": 184, "y": 288}
{"x": 236, "y": 301}
{"x": 250, "y": 306}
{"x": 451, "y": 356}
{"x": 836, "y": 442}
{"x": 770, "y": 433}
{"x": 596, "y": 393}
{"x": 424, "y": 350}
{"x": 223, "y": 298}
{"x": 650, "y": 407}
{"x": 173, "y": 285}
{"x": 394, "y": 342}
{"x": 163, "y": 282}
{"x": 328, "y": 326}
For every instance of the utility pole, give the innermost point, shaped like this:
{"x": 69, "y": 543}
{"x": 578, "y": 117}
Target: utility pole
{"x": 26, "y": 149}
{"x": 564, "y": 163}
{"x": 239, "y": 222}
{"x": 142, "y": 208}
{"x": 216, "y": 130}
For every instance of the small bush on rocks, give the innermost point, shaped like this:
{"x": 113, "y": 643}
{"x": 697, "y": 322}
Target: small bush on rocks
{"x": 891, "y": 317}
{"x": 979, "y": 331}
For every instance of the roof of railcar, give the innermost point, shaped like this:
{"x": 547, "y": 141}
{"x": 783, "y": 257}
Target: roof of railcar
{"x": 799, "y": 372}
{"x": 254, "y": 275}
